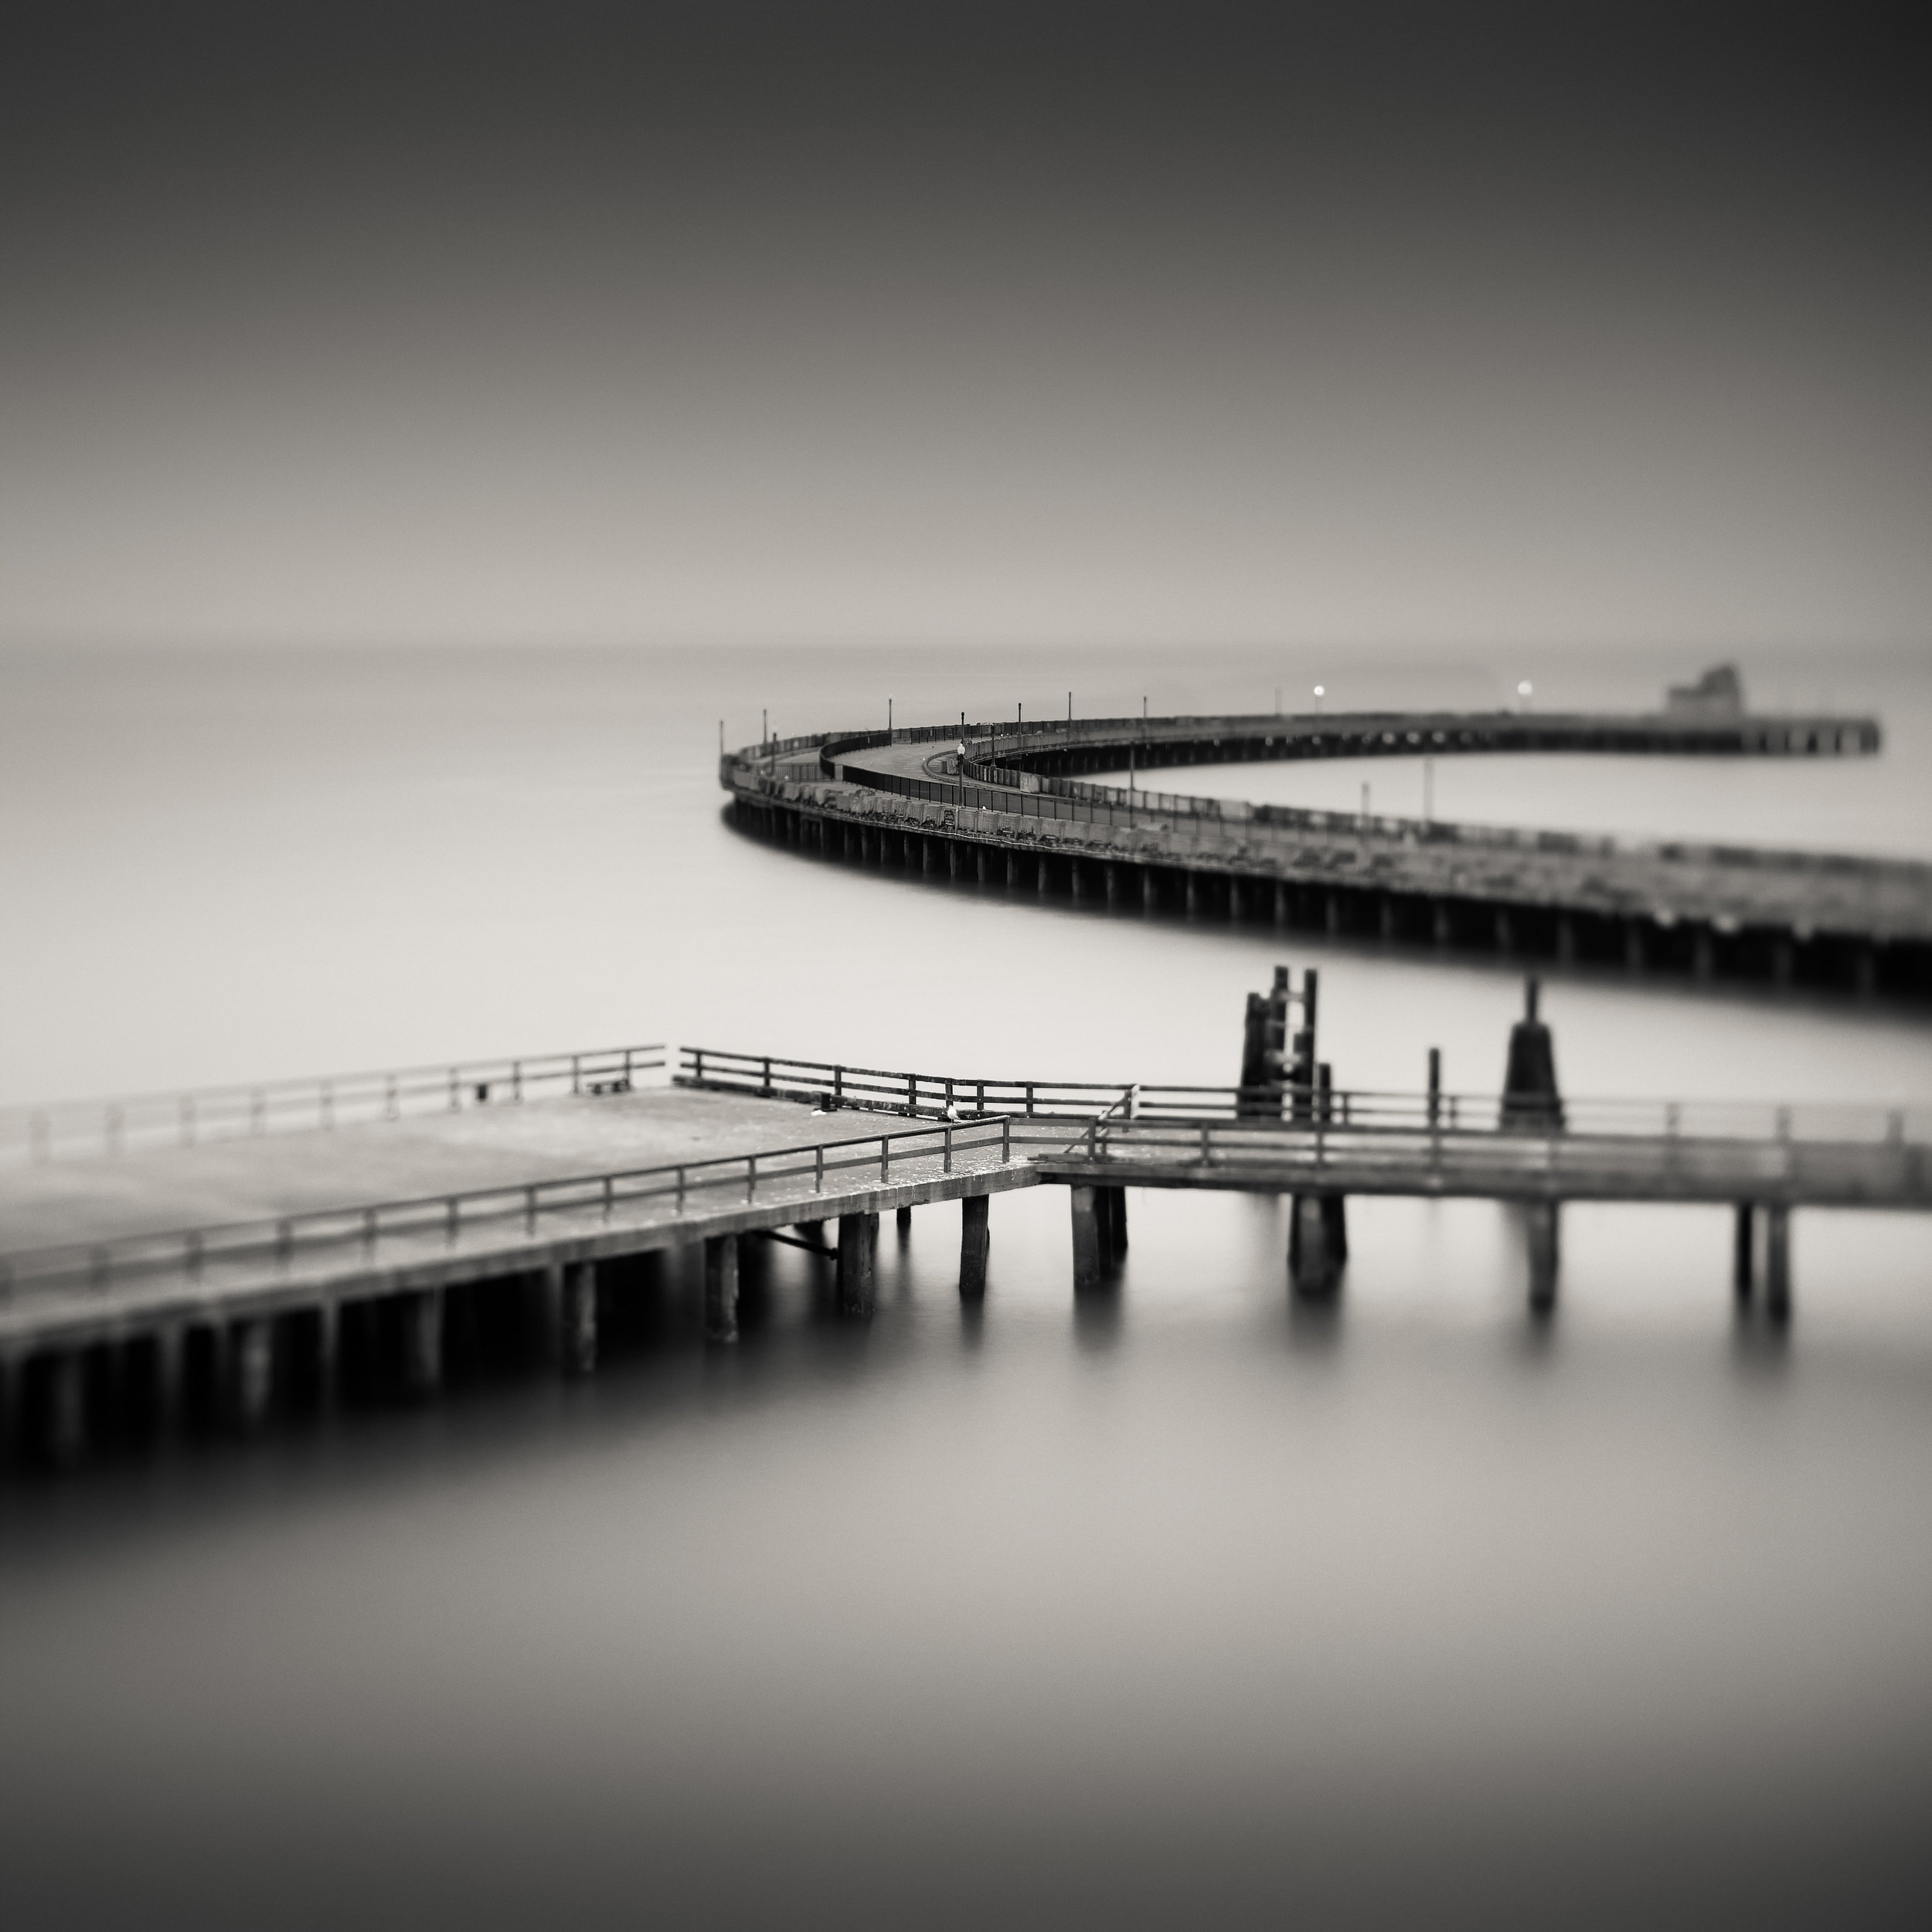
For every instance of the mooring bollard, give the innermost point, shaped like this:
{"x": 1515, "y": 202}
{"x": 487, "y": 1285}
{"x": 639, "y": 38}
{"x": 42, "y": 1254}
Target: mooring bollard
{"x": 1529, "y": 1095}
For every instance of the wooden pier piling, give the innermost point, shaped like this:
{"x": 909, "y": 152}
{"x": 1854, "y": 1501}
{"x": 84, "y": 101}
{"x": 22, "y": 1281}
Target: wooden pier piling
{"x": 1541, "y": 1228}
{"x": 974, "y": 1239}
{"x": 1084, "y": 1204}
{"x": 721, "y": 1288}
{"x": 1314, "y": 1259}
{"x": 857, "y": 1256}
{"x": 1778, "y": 1263}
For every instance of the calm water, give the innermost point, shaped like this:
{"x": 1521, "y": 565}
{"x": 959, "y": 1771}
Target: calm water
{"x": 1178, "y": 1605}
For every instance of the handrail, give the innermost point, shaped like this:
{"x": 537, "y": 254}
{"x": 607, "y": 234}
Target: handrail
{"x": 192, "y": 1251}
{"x": 842, "y": 1085}
{"x": 38, "y": 1132}
{"x": 984, "y": 782}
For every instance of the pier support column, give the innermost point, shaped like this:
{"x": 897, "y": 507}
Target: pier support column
{"x": 1441, "y": 924}
{"x": 1280, "y": 902}
{"x": 423, "y": 1342}
{"x": 1506, "y": 931}
{"x": 1744, "y": 1253}
{"x": 1111, "y": 874}
{"x": 1041, "y": 881}
{"x": 858, "y": 1253}
{"x": 1086, "y": 1238}
{"x": 577, "y": 1329}
{"x": 974, "y": 1239}
{"x": 1778, "y": 1263}
{"x": 982, "y": 858}
{"x": 1566, "y": 940}
{"x": 1633, "y": 946}
{"x": 1109, "y": 1204}
{"x": 328, "y": 1353}
{"x": 63, "y": 1420}
{"x": 721, "y": 1288}
{"x": 1703, "y": 953}
{"x": 1150, "y": 890}
{"x": 251, "y": 1372}
{"x": 170, "y": 1349}
{"x": 1540, "y": 1225}
{"x": 1237, "y": 903}
{"x": 1193, "y": 900}
{"x": 1331, "y": 912}
{"x": 1781, "y": 961}
{"x": 1314, "y": 1254}
{"x": 1387, "y": 912}
{"x": 904, "y": 1224}
{"x": 1865, "y": 972}
{"x": 1074, "y": 878}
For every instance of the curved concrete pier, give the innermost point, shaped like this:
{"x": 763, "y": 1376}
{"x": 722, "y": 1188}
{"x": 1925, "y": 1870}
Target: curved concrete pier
{"x": 1000, "y": 806}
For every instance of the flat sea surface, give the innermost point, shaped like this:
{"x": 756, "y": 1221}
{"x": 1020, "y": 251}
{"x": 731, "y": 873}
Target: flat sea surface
{"x": 1182, "y": 1606}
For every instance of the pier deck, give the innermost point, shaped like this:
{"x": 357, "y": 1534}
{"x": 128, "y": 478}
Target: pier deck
{"x": 1007, "y": 815}
{"x": 251, "y": 1252}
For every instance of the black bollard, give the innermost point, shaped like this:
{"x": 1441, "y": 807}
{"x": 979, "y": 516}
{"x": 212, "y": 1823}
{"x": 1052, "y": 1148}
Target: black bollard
{"x": 1530, "y": 1095}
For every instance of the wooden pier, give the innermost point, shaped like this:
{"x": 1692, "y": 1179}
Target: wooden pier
{"x": 999, "y": 808}
{"x": 257, "y": 1265}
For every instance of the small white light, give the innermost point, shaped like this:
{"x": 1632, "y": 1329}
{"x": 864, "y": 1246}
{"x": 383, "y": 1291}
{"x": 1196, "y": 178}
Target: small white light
{"x": 1319, "y": 692}
{"x": 1522, "y": 689}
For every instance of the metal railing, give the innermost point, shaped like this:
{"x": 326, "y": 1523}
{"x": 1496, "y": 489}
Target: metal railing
{"x": 433, "y": 1224}
{"x": 983, "y": 783}
{"x": 1554, "y": 1163}
{"x": 67, "y": 1128}
{"x": 832, "y": 1084}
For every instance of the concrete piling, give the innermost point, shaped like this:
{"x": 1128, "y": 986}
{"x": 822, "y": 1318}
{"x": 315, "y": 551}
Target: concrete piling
{"x": 423, "y": 1342}
{"x": 250, "y": 1367}
{"x": 858, "y": 1252}
{"x": 721, "y": 1289}
{"x": 903, "y": 1225}
{"x": 329, "y": 1350}
{"x": 170, "y": 1340}
{"x": 1743, "y": 1252}
{"x": 1150, "y": 890}
{"x": 579, "y": 1330}
{"x": 974, "y": 1239}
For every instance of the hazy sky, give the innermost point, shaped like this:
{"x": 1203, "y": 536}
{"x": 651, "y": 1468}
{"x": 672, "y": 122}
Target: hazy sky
{"x": 732, "y": 321}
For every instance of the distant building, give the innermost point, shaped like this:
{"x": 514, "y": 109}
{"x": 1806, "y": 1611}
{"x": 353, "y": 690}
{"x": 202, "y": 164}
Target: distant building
{"x": 1718, "y": 693}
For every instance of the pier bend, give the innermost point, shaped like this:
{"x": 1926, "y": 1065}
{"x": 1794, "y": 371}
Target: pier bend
{"x": 281, "y": 1263}
{"x": 1011, "y": 813}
